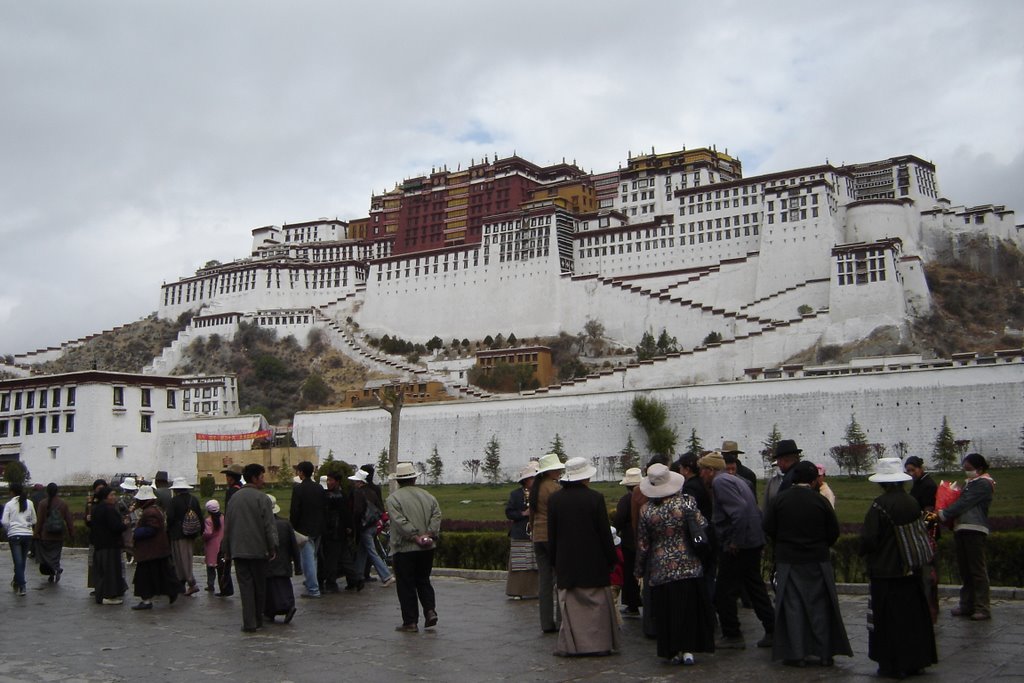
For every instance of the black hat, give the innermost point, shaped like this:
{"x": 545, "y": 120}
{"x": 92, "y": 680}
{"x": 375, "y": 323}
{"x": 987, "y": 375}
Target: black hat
{"x": 787, "y": 447}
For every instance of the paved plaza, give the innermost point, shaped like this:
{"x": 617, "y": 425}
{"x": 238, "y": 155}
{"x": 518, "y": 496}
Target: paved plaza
{"x": 58, "y": 633}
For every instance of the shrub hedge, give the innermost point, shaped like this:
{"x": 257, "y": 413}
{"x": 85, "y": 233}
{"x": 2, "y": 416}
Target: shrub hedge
{"x": 489, "y": 550}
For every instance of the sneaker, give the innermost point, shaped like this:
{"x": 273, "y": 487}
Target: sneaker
{"x": 767, "y": 641}
{"x": 731, "y": 643}
{"x": 113, "y": 601}
{"x": 21, "y": 591}
{"x": 310, "y": 595}
{"x": 388, "y": 581}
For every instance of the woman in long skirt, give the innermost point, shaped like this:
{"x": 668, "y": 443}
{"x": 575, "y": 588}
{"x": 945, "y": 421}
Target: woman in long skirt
{"x": 53, "y": 513}
{"x": 666, "y": 527}
{"x": 154, "y": 573}
{"x": 522, "y": 564}
{"x": 900, "y": 634}
{"x": 280, "y": 595}
{"x": 105, "y": 532}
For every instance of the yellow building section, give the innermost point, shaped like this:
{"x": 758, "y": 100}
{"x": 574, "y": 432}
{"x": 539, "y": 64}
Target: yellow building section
{"x": 458, "y": 178}
{"x": 576, "y": 197}
{"x": 454, "y": 224}
{"x": 455, "y": 213}
{"x": 454, "y": 237}
{"x": 653, "y": 161}
{"x": 359, "y": 228}
{"x": 461, "y": 201}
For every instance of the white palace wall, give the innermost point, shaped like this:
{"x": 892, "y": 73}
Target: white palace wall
{"x": 983, "y": 403}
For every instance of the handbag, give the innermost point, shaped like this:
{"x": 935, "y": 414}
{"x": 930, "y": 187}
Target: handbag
{"x": 697, "y": 535}
{"x": 912, "y": 538}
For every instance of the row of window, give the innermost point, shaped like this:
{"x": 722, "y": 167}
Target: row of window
{"x": 43, "y": 398}
{"x": 647, "y": 245}
{"x": 31, "y": 425}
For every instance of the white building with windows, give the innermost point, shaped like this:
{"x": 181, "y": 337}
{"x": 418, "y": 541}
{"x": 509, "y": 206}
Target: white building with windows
{"x": 74, "y": 427}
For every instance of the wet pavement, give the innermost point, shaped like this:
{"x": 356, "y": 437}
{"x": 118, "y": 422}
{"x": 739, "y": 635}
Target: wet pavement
{"x": 58, "y": 633}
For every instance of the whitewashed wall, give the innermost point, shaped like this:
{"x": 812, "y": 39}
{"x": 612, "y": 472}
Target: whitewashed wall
{"x": 983, "y": 403}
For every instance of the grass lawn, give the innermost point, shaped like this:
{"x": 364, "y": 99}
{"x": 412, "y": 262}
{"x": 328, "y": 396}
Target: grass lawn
{"x": 483, "y": 502}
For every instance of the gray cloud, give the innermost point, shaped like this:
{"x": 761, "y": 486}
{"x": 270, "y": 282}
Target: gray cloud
{"x": 142, "y": 139}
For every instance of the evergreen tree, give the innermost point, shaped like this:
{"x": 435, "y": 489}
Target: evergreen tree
{"x": 858, "y": 450}
{"x": 628, "y": 456}
{"x": 694, "y": 444}
{"x": 944, "y": 451}
{"x": 557, "y": 447}
{"x": 435, "y": 467}
{"x": 768, "y": 452}
{"x": 652, "y": 416}
{"x": 382, "y": 465}
{"x": 647, "y": 348}
{"x": 492, "y": 461}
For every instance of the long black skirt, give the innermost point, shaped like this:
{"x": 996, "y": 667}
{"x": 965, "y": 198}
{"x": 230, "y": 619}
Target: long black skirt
{"x": 807, "y": 618}
{"x": 156, "y": 577}
{"x": 107, "y": 573}
{"x": 900, "y": 633}
{"x": 683, "y": 617}
{"x": 280, "y": 596}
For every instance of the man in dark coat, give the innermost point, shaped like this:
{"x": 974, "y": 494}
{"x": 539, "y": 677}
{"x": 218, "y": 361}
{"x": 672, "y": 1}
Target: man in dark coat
{"x": 583, "y": 555}
{"x": 623, "y": 522}
{"x": 233, "y": 476}
{"x": 737, "y": 522}
{"x": 786, "y": 456}
{"x": 731, "y": 452}
{"x": 307, "y": 516}
{"x": 924, "y": 488}
{"x": 251, "y": 536}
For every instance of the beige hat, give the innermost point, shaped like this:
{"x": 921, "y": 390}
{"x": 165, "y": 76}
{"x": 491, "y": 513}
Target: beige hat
{"x": 404, "y": 470}
{"x": 145, "y": 493}
{"x": 360, "y": 475}
{"x": 632, "y": 477}
{"x": 578, "y": 469}
{"x": 712, "y": 460}
{"x": 234, "y": 469}
{"x": 527, "y": 472}
{"x": 731, "y": 447}
{"x": 661, "y": 482}
{"x": 180, "y": 484}
{"x": 548, "y": 463}
{"x": 129, "y": 484}
{"x": 275, "y": 508}
{"x": 889, "y": 471}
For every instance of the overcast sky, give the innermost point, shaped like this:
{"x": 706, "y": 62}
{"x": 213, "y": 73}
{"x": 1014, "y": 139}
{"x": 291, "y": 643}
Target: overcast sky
{"x": 139, "y": 140}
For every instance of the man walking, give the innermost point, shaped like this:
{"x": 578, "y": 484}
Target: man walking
{"x": 309, "y": 505}
{"x": 740, "y": 540}
{"x": 251, "y": 538}
{"x": 415, "y": 523}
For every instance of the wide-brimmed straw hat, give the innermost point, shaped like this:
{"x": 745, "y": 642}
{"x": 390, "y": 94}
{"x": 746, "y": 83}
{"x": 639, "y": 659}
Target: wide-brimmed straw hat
{"x": 129, "y": 484}
{"x": 180, "y": 484}
{"x": 360, "y": 475}
{"x": 578, "y": 469}
{"x": 145, "y": 493}
{"x": 404, "y": 470}
{"x": 275, "y": 508}
{"x": 731, "y": 447}
{"x": 632, "y": 477}
{"x": 527, "y": 472}
{"x": 889, "y": 471}
{"x": 548, "y": 463}
{"x": 661, "y": 482}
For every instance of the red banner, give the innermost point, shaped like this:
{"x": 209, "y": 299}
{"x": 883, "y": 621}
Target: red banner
{"x": 264, "y": 434}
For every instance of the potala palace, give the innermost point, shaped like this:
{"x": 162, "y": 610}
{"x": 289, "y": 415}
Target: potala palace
{"x": 681, "y": 241}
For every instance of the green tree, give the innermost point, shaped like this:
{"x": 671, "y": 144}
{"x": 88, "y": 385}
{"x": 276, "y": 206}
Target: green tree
{"x": 694, "y": 444}
{"x": 858, "y": 450}
{"x": 651, "y": 415}
{"x": 769, "y": 445}
{"x": 647, "y": 348}
{"x": 629, "y": 456}
{"x": 315, "y": 389}
{"x": 944, "y": 450}
{"x": 435, "y": 466}
{"x": 557, "y": 447}
{"x": 382, "y": 465}
{"x": 492, "y": 460}
{"x": 512, "y": 341}
{"x": 15, "y": 472}
{"x": 666, "y": 343}
{"x": 435, "y": 343}
{"x": 713, "y": 338}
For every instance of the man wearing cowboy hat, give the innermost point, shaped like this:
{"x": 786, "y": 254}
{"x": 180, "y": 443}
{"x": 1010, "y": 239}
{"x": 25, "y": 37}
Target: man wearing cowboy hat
{"x": 737, "y": 523}
{"x": 233, "y": 476}
{"x": 309, "y": 504}
{"x": 415, "y": 524}
{"x": 549, "y": 468}
{"x": 623, "y": 521}
{"x": 786, "y": 455}
{"x": 731, "y": 452}
{"x": 161, "y": 487}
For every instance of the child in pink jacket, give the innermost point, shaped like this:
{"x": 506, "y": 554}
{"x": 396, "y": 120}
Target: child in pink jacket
{"x": 213, "y": 533}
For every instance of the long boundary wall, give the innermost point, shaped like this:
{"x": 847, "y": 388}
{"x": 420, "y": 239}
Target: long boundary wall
{"x": 983, "y": 403}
